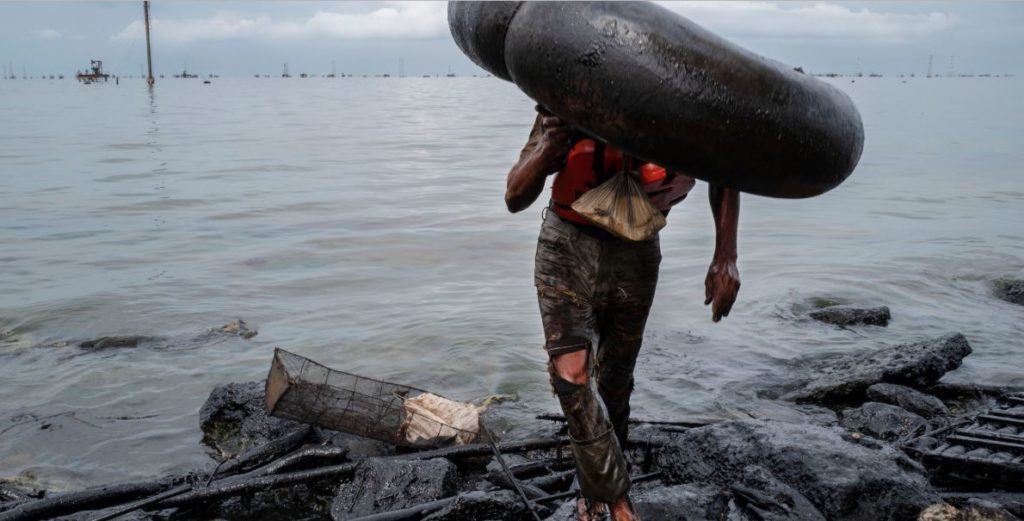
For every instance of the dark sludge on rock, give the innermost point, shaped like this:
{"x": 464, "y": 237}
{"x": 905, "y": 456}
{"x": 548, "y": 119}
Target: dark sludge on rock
{"x": 841, "y": 479}
{"x": 382, "y": 485}
{"x": 908, "y": 398}
{"x": 883, "y": 421}
{"x": 844, "y": 379}
{"x": 233, "y": 419}
{"x": 881, "y": 468}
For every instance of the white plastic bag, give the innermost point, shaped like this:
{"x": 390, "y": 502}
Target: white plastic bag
{"x": 434, "y": 420}
{"x": 620, "y": 206}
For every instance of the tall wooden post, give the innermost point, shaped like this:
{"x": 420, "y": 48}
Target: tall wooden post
{"x": 149, "y": 52}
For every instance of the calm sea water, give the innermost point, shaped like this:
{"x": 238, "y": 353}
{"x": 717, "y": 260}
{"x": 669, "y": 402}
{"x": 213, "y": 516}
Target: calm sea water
{"x": 360, "y": 222}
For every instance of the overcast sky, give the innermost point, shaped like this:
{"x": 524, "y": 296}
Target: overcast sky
{"x": 243, "y": 38}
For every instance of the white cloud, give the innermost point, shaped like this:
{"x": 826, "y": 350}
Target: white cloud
{"x": 395, "y": 20}
{"x": 817, "y": 20}
{"x": 742, "y": 18}
{"x": 49, "y": 34}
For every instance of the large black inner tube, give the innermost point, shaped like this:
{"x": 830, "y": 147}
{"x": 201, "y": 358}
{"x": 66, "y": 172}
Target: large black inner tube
{"x": 481, "y": 32}
{"x": 662, "y": 88}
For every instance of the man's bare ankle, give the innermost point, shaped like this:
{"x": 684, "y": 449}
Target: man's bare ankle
{"x": 622, "y": 510}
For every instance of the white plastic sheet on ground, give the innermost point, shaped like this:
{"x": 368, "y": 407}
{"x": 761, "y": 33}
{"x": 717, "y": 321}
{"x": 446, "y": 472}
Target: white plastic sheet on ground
{"x": 432, "y": 419}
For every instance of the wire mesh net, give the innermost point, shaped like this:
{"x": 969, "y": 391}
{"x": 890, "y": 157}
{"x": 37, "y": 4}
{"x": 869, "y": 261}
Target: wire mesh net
{"x": 303, "y": 390}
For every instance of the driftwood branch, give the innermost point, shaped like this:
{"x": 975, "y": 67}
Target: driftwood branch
{"x": 304, "y": 455}
{"x": 554, "y": 481}
{"x": 502, "y": 480}
{"x": 120, "y": 511}
{"x": 89, "y": 499}
{"x": 538, "y": 468}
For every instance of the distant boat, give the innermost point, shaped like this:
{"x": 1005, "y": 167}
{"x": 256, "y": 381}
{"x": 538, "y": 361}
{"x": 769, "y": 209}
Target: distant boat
{"x": 185, "y": 74}
{"x": 94, "y": 74}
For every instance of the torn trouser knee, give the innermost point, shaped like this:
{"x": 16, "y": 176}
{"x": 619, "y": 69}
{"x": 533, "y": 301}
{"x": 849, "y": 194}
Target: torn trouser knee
{"x": 600, "y": 465}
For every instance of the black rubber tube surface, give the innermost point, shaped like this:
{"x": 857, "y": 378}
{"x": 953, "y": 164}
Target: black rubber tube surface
{"x": 662, "y": 88}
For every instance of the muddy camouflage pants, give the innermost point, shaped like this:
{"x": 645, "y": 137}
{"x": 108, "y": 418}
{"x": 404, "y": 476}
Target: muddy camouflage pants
{"x": 595, "y": 292}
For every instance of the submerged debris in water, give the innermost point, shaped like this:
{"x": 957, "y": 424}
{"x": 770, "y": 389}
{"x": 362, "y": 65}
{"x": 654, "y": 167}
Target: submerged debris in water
{"x": 108, "y": 342}
{"x": 240, "y": 328}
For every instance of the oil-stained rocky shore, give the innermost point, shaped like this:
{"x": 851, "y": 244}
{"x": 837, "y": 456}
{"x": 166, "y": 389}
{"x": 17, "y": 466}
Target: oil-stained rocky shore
{"x": 892, "y": 443}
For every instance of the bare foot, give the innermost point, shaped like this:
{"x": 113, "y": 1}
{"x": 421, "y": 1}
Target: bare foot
{"x": 622, "y": 510}
{"x": 589, "y": 510}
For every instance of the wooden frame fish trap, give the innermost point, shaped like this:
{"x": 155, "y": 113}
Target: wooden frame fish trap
{"x": 303, "y": 390}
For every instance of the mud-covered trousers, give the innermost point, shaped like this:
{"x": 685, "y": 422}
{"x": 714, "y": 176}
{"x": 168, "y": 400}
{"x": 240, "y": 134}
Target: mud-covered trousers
{"x": 595, "y": 292}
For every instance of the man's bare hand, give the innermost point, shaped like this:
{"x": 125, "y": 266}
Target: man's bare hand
{"x": 554, "y": 143}
{"x": 721, "y": 286}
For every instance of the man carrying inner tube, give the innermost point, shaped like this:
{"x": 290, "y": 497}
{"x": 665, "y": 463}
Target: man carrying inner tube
{"x": 591, "y": 284}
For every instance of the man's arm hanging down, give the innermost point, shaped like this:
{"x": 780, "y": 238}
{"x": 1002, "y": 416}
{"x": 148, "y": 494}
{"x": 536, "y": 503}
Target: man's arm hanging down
{"x": 723, "y": 280}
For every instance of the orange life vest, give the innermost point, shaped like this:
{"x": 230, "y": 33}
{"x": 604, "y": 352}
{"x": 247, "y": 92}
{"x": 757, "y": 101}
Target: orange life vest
{"x": 590, "y": 163}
